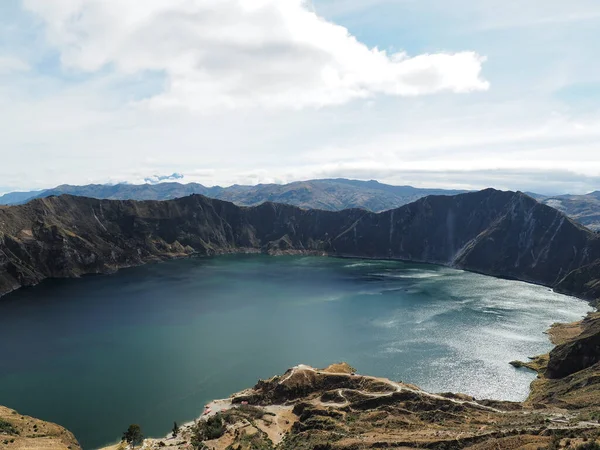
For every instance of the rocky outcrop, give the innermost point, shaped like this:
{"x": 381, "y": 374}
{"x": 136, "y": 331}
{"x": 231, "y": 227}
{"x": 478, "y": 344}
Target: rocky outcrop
{"x": 577, "y": 354}
{"x": 569, "y": 376}
{"x": 498, "y": 233}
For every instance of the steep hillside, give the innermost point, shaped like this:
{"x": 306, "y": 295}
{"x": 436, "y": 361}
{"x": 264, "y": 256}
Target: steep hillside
{"x": 585, "y": 281}
{"x": 569, "y": 376}
{"x": 18, "y": 432}
{"x": 329, "y": 194}
{"x": 498, "y": 233}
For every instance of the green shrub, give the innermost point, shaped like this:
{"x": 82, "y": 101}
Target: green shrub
{"x": 207, "y": 430}
{"x": 133, "y": 435}
{"x": 7, "y": 428}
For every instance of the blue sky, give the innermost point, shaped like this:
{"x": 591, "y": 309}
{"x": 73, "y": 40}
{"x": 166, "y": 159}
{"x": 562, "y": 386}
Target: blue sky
{"x": 432, "y": 93}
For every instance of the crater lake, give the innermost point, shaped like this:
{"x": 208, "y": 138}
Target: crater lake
{"x": 152, "y": 344}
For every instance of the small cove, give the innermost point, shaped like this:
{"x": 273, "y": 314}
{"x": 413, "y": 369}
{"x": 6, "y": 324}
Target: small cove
{"x": 153, "y": 344}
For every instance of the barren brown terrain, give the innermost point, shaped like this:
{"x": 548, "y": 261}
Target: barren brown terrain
{"x": 19, "y": 432}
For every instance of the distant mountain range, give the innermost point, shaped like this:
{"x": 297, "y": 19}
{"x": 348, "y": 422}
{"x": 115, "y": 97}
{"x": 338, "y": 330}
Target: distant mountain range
{"x": 328, "y": 194}
{"x": 585, "y": 209}
{"x": 17, "y": 198}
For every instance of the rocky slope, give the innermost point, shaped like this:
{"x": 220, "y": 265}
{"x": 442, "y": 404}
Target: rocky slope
{"x": 569, "y": 376}
{"x": 585, "y": 281}
{"x": 19, "y": 432}
{"x": 503, "y": 234}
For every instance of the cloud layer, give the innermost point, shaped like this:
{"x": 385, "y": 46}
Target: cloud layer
{"x": 155, "y": 179}
{"x": 243, "y": 53}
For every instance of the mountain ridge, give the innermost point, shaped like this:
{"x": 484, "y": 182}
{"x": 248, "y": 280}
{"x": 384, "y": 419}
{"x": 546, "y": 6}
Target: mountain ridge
{"x": 334, "y": 194}
{"x": 330, "y": 193}
{"x": 71, "y": 236}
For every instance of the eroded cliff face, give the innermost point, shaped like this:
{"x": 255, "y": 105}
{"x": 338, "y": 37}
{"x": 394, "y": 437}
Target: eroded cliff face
{"x": 70, "y": 236}
{"x": 503, "y": 234}
{"x": 569, "y": 376}
{"x": 577, "y": 354}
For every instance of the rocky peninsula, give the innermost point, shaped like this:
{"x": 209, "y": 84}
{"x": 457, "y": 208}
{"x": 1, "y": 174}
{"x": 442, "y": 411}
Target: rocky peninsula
{"x": 336, "y": 408}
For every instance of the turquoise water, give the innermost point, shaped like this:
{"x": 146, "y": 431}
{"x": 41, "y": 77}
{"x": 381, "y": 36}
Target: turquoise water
{"x": 153, "y": 344}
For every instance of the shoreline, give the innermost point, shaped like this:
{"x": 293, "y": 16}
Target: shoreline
{"x": 166, "y": 257}
{"x": 217, "y": 406}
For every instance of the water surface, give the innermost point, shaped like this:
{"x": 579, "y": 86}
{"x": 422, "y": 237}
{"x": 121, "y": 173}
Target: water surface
{"x": 153, "y": 344}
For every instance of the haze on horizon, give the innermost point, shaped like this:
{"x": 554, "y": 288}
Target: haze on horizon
{"x": 431, "y": 93}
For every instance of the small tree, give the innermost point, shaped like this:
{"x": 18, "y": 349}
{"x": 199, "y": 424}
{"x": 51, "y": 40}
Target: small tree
{"x": 133, "y": 435}
{"x": 175, "y": 429}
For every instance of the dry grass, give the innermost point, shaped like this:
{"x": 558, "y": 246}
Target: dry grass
{"x": 561, "y": 333}
{"x": 339, "y": 368}
{"x": 29, "y": 433}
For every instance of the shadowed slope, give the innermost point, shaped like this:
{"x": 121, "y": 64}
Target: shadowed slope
{"x": 498, "y": 233}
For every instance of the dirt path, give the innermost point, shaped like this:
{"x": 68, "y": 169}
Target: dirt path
{"x": 398, "y": 387}
{"x": 281, "y": 423}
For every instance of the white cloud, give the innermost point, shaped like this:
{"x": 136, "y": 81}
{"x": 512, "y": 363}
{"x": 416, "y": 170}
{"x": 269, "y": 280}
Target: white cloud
{"x": 155, "y": 179}
{"x": 243, "y": 53}
{"x": 9, "y": 64}
{"x": 74, "y": 122}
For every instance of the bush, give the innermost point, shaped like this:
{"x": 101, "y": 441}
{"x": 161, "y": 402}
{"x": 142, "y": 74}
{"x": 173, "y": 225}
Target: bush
{"x": 215, "y": 428}
{"x": 207, "y": 430}
{"x": 589, "y": 446}
{"x": 7, "y": 428}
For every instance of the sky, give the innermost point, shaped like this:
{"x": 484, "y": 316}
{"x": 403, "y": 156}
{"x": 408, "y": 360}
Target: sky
{"x": 430, "y": 93}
